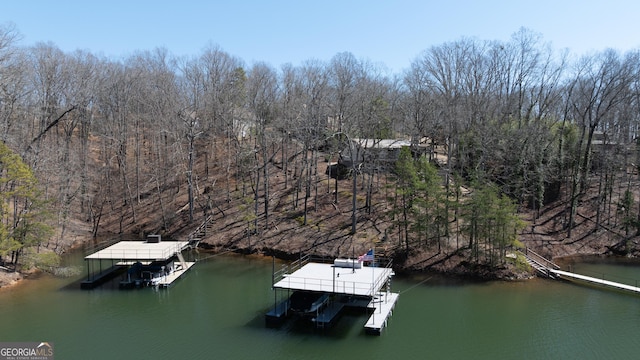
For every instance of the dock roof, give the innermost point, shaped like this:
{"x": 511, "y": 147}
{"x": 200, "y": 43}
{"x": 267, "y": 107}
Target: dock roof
{"x": 139, "y": 250}
{"x": 365, "y": 281}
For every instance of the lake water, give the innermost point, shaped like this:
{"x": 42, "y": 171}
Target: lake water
{"x": 217, "y": 312}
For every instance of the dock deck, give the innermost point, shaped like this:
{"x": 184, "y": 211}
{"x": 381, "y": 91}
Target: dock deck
{"x": 101, "y": 277}
{"x": 276, "y": 316}
{"x": 382, "y": 306}
{"x": 167, "y": 280}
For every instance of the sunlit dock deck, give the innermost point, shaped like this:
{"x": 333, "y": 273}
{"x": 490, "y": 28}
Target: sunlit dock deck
{"x": 382, "y": 306}
{"x": 356, "y": 286}
{"x": 168, "y": 280}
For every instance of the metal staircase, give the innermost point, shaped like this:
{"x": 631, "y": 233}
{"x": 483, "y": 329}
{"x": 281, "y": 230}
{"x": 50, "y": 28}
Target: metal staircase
{"x": 541, "y": 264}
{"x": 200, "y": 232}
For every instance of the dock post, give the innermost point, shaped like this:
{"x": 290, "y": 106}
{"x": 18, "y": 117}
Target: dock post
{"x": 334, "y": 279}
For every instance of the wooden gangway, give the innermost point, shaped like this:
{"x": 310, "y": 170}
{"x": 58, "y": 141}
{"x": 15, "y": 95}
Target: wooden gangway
{"x": 550, "y": 270}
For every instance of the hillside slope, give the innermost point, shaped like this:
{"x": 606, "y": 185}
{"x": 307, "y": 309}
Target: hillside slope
{"x": 229, "y": 202}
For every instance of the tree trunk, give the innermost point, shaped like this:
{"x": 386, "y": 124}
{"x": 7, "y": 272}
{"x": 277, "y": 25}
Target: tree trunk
{"x": 190, "y": 184}
{"x": 265, "y": 165}
{"x": 354, "y": 204}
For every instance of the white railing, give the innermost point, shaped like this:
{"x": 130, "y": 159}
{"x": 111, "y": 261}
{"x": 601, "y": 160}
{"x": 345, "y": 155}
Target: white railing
{"x": 202, "y": 228}
{"x": 157, "y": 254}
{"x": 381, "y": 280}
{"x": 327, "y": 285}
{"x": 289, "y": 269}
{"x": 540, "y": 259}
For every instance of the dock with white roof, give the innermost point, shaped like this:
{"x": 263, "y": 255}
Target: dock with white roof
{"x": 105, "y": 264}
{"x": 349, "y": 283}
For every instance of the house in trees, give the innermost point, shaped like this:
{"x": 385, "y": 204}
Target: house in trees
{"x": 602, "y": 142}
{"x": 379, "y": 153}
{"x": 605, "y": 150}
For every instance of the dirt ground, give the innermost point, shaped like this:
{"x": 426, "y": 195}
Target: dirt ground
{"x": 328, "y": 224}
{"x": 548, "y": 233}
{"x": 326, "y": 231}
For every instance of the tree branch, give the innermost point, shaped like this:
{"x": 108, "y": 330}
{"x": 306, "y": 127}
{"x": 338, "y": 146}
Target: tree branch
{"x": 52, "y": 124}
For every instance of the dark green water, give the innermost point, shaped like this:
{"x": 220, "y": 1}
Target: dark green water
{"x": 217, "y": 312}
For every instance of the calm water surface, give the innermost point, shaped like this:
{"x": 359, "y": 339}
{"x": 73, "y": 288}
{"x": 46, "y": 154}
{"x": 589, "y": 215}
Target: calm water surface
{"x": 217, "y": 312}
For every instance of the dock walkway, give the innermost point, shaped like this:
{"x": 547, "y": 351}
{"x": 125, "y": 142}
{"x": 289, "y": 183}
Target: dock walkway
{"x": 276, "y": 316}
{"x": 100, "y": 278}
{"x": 551, "y": 270}
{"x": 610, "y": 284}
{"x": 167, "y": 280}
{"x": 383, "y": 305}
{"x": 328, "y": 314}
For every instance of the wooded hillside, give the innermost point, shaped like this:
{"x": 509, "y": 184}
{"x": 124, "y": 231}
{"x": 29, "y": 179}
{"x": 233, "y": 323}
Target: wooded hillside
{"x": 498, "y": 132}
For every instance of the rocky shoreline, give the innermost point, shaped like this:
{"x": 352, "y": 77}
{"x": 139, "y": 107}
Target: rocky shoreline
{"x": 9, "y": 279}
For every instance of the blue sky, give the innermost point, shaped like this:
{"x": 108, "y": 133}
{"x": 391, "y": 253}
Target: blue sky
{"x": 392, "y": 33}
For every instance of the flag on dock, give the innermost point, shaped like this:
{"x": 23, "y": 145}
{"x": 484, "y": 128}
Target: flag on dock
{"x": 366, "y": 257}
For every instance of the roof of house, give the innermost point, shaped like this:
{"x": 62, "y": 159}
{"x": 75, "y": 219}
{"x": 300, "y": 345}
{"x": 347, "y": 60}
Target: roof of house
{"x": 382, "y": 143}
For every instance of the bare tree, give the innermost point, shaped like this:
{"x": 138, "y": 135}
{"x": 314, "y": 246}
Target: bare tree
{"x": 189, "y": 114}
{"x": 262, "y": 89}
{"x": 601, "y": 84}
{"x": 13, "y": 80}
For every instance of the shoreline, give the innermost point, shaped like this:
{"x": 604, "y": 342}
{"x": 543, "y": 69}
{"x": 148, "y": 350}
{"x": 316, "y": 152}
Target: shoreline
{"x": 9, "y": 280}
{"x": 456, "y": 270}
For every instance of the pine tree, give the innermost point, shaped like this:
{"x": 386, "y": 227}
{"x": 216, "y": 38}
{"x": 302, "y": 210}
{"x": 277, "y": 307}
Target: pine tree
{"x": 407, "y": 179}
{"x": 22, "y": 209}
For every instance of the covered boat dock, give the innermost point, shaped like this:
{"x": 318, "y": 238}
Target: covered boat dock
{"x": 349, "y": 283}
{"x": 124, "y": 256}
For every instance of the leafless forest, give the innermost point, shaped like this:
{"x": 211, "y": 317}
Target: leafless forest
{"x": 153, "y": 143}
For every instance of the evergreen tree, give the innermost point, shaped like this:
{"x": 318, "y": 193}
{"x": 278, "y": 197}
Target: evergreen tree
{"x": 492, "y": 224}
{"x": 22, "y": 209}
{"x": 407, "y": 179}
{"x": 421, "y": 214}
{"x": 430, "y": 210}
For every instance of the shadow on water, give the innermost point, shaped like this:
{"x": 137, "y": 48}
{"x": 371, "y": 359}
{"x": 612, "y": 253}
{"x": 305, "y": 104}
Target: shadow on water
{"x": 350, "y": 320}
{"x": 75, "y": 285}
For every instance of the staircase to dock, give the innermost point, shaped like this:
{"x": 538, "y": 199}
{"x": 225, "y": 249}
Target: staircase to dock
{"x": 542, "y": 265}
{"x": 200, "y": 232}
